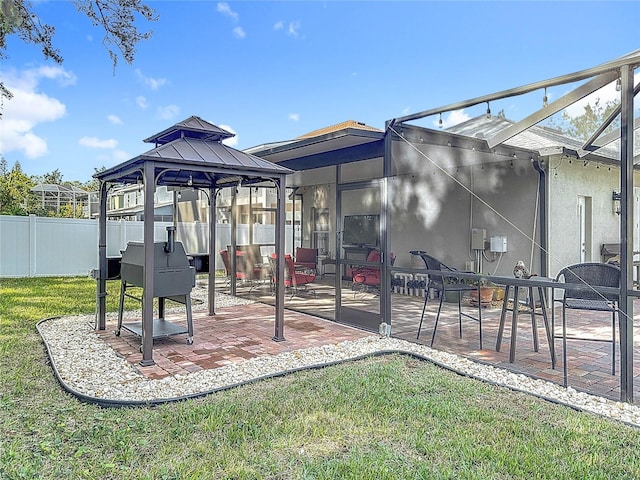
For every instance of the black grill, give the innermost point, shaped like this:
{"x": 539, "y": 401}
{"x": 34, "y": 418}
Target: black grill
{"x": 173, "y": 279}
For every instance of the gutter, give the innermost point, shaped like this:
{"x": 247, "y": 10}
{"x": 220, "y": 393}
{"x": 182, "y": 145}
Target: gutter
{"x": 536, "y": 162}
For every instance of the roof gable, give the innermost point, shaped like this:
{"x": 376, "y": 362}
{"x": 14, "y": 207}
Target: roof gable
{"x": 339, "y": 126}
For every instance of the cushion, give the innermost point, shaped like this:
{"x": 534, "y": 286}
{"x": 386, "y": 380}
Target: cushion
{"x": 373, "y": 256}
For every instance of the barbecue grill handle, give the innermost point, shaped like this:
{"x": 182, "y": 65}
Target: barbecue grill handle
{"x": 170, "y": 245}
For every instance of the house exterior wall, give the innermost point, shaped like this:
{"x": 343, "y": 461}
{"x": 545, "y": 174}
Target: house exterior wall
{"x": 439, "y": 194}
{"x": 567, "y": 181}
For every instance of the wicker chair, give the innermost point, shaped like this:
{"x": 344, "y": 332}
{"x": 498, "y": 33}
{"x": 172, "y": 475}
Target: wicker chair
{"x": 443, "y": 284}
{"x": 593, "y": 275}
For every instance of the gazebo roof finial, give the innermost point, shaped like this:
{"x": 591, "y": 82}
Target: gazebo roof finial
{"x": 192, "y": 127}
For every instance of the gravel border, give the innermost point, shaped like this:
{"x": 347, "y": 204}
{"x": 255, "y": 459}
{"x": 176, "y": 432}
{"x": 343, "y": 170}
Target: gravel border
{"x": 86, "y": 366}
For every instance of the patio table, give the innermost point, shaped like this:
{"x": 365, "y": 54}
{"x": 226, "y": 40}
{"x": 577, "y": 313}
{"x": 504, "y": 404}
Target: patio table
{"x": 540, "y": 283}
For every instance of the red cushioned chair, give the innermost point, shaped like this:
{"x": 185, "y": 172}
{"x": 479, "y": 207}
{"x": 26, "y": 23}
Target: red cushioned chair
{"x": 296, "y": 280}
{"x": 246, "y": 269}
{"x": 368, "y": 277}
{"x": 306, "y": 258}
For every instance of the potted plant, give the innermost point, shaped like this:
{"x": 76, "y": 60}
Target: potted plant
{"x": 486, "y": 293}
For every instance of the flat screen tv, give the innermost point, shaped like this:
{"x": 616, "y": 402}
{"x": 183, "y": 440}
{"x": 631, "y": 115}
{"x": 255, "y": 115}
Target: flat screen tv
{"x": 361, "y": 230}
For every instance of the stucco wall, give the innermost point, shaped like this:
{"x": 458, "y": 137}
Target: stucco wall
{"x": 568, "y": 180}
{"x": 439, "y": 195}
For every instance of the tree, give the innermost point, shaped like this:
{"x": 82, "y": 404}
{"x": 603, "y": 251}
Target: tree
{"x": 15, "y": 190}
{"x": 117, "y": 17}
{"x": 583, "y": 126}
{"x": 53, "y": 178}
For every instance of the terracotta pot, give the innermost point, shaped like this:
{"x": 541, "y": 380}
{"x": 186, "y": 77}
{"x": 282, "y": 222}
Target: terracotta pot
{"x": 498, "y": 294}
{"x": 486, "y": 296}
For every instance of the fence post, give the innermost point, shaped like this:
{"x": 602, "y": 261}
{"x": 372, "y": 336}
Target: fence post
{"x": 32, "y": 245}
{"x": 122, "y": 226}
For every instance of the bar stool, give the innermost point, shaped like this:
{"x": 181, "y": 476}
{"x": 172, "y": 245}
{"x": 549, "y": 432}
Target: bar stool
{"x": 533, "y": 307}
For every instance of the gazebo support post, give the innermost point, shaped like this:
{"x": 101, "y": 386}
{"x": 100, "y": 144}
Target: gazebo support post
{"x": 233, "y": 256}
{"x": 278, "y": 335}
{"x": 212, "y": 251}
{"x": 147, "y": 296}
{"x": 101, "y": 296}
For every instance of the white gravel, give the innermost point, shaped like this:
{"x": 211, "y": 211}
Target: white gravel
{"x": 88, "y": 367}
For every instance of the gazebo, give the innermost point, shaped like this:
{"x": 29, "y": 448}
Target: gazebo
{"x": 189, "y": 154}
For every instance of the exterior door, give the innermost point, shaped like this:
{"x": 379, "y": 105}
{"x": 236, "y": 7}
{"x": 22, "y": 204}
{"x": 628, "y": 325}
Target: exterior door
{"x": 358, "y": 259}
{"x": 582, "y": 223}
{"x": 585, "y": 222}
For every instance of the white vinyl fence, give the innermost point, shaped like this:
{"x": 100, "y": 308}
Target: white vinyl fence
{"x": 42, "y": 246}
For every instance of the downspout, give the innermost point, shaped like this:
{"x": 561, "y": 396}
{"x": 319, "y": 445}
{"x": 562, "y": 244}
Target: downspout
{"x": 542, "y": 206}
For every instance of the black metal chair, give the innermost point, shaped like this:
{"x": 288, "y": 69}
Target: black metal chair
{"x": 443, "y": 284}
{"x": 588, "y": 275}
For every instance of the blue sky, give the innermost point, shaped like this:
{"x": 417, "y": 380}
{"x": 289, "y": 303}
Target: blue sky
{"x": 272, "y": 71}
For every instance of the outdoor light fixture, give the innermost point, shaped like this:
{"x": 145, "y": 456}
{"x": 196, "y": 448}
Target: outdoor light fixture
{"x": 190, "y": 181}
{"x": 615, "y": 197}
{"x": 545, "y": 99}
{"x": 440, "y": 121}
{"x": 488, "y": 111}
{"x": 618, "y": 85}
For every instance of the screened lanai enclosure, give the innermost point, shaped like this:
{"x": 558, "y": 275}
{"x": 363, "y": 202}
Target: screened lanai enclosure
{"x": 480, "y": 195}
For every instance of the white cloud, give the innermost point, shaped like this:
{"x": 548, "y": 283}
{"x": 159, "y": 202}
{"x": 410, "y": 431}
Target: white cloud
{"x": 94, "y": 142}
{"x": 225, "y": 9}
{"x": 238, "y": 32}
{"x": 406, "y": 111}
{"x": 62, "y": 76}
{"x": 230, "y": 142}
{"x": 114, "y": 119}
{"x": 30, "y": 107}
{"x": 452, "y": 118}
{"x": 153, "y": 83}
{"x": 294, "y": 117}
{"x": 293, "y": 29}
{"x": 168, "y": 112}
{"x": 606, "y": 94}
{"x": 142, "y": 102}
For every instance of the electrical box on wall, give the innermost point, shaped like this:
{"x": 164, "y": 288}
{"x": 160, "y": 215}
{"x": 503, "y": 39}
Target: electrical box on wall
{"x": 478, "y": 238}
{"x": 499, "y": 244}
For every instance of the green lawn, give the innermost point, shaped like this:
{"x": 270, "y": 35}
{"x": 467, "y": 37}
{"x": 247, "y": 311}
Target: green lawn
{"x": 389, "y": 417}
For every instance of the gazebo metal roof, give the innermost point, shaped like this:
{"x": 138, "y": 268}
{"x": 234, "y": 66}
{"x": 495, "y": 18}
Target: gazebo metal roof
{"x": 191, "y": 153}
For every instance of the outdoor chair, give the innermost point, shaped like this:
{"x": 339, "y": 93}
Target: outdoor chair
{"x": 297, "y": 281}
{"x": 443, "y": 284}
{"x": 306, "y": 258}
{"x": 591, "y": 275}
{"x": 246, "y": 269}
{"x": 227, "y": 264}
{"x": 368, "y": 277}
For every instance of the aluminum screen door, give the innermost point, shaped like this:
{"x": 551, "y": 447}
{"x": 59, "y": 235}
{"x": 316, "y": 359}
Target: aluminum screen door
{"x": 359, "y": 263}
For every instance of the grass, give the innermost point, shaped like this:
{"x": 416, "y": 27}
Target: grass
{"x": 389, "y": 417}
